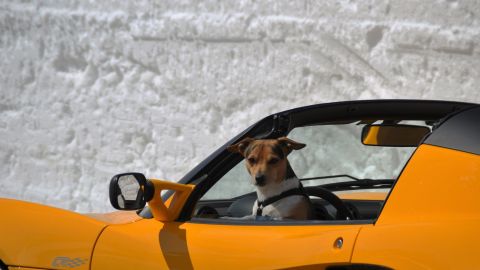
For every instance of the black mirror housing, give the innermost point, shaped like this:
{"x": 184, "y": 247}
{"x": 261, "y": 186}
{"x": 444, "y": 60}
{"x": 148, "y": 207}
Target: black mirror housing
{"x": 130, "y": 191}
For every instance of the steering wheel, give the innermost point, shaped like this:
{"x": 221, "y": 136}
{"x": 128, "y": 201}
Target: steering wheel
{"x": 243, "y": 206}
{"x": 206, "y": 212}
{"x": 343, "y": 212}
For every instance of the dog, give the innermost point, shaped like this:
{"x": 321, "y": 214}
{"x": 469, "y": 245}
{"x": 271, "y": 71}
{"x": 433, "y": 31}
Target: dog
{"x": 279, "y": 192}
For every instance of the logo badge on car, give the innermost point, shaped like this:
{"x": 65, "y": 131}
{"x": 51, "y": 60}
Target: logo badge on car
{"x": 66, "y": 262}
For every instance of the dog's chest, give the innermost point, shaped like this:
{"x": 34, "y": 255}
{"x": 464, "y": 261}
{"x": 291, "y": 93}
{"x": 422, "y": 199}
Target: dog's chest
{"x": 281, "y": 208}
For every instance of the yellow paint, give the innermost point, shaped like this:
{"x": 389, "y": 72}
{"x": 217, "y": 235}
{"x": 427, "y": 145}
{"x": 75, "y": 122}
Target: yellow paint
{"x": 117, "y": 217}
{"x": 438, "y": 184}
{"x": 168, "y": 211}
{"x": 33, "y": 235}
{"x": 432, "y": 217}
{"x": 150, "y": 244}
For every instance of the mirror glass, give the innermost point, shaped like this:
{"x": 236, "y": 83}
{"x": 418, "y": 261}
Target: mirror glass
{"x": 394, "y": 135}
{"x": 130, "y": 192}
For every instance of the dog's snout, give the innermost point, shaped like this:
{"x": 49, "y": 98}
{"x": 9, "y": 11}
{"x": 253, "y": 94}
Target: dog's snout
{"x": 260, "y": 179}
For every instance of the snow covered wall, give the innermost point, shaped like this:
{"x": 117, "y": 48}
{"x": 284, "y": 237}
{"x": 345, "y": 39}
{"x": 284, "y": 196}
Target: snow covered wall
{"x": 89, "y": 89}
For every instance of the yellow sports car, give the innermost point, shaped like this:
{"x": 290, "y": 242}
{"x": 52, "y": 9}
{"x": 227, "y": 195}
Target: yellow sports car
{"x": 393, "y": 184}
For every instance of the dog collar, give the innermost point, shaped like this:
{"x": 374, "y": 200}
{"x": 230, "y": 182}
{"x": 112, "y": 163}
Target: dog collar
{"x": 290, "y": 192}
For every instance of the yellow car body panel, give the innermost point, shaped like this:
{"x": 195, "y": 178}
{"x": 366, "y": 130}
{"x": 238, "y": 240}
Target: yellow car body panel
{"x": 438, "y": 184}
{"x": 117, "y": 217}
{"x": 432, "y": 216}
{"x": 39, "y": 236}
{"x": 150, "y": 244}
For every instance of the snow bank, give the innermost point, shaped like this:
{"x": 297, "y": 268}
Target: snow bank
{"x": 94, "y": 88}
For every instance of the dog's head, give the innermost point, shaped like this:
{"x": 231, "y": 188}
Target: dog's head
{"x": 266, "y": 160}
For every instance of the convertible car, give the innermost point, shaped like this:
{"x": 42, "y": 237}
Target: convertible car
{"x": 399, "y": 182}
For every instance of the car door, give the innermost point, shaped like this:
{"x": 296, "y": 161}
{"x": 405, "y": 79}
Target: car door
{"x": 150, "y": 244}
{"x": 268, "y": 246}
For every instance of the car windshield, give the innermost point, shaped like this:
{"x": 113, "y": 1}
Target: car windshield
{"x": 337, "y": 151}
{"x": 333, "y": 150}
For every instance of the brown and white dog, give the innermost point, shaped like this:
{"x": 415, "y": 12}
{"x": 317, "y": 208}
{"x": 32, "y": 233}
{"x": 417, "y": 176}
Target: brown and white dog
{"x": 279, "y": 193}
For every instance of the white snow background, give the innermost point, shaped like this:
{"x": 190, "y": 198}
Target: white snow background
{"x": 89, "y": 89}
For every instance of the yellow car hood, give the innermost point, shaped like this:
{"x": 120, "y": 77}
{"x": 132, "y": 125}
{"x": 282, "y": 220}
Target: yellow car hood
{"x": 45, "y": 237}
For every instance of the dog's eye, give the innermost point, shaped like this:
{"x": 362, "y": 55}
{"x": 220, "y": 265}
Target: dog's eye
{"x": 251, "y": 160}
{"x": 273, "y": 161}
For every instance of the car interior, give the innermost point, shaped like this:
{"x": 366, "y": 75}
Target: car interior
{"x": 242, "y": 206}
{"x": 336, "y": 196}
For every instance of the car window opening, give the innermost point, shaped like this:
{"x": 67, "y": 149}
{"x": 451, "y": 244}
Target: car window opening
{"x": 334, "y": 159}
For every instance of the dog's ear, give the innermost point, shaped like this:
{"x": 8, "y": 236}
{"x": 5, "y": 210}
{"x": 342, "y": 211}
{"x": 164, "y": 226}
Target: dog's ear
{"x": 241, "y": 146}
{"x": 290, "y": 145}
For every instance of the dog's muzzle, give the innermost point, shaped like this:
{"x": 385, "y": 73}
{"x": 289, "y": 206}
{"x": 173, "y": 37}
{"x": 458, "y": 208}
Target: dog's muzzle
{"x": 260, "y": 180}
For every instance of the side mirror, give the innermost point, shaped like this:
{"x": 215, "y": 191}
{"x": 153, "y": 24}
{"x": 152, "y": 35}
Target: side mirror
{"x": 394, "y": 135}
{"x": 130, "y": 191}
{"x": 171, "y": 208}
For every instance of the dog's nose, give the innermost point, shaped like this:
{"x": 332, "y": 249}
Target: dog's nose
{"x": 260, "y": 179}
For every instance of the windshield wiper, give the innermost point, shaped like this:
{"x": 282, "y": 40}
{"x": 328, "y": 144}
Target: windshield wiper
{"x": 331, "y": 176}
{"x": 359, "y": 184}
{"x": 353, "y": 185}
